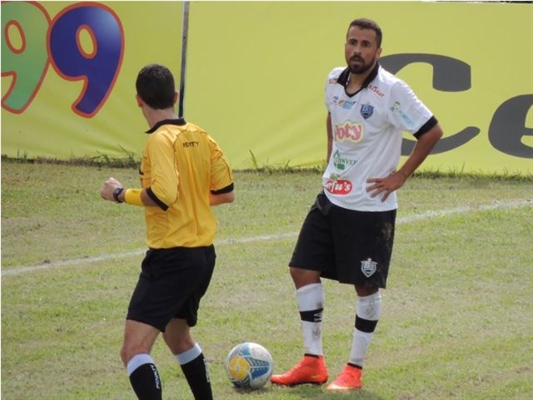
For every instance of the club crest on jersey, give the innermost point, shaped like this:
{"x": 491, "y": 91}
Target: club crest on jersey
{"x": 367, "y": 110}
{"x": 368, "y": 267}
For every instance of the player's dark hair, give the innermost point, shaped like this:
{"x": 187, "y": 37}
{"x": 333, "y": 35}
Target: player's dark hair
{"x": 155, "y": 86}
{"x": 365, "y": 23}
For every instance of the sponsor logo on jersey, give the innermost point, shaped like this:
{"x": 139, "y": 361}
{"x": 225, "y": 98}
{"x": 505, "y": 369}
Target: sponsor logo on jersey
{"x": 340, "y": 162}
{"x": 396, "y": 108}
{"x": 368, "y": 267}
{"x": 346, "y": 104}
{"x": 350, "y": 131}
{"x": 367, "y": 110}
{"x": 341, "y": 186}
{"x": 374, "y": 89}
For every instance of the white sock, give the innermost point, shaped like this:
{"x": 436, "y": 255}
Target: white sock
{"x": 189, "y": 355}
{"x": 138, "y": 360}
{"x": 368, "y": 309}
{"x": 310, "y": 300}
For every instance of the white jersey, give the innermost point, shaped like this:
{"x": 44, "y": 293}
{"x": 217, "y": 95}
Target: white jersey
{"x": 367, "y": 130}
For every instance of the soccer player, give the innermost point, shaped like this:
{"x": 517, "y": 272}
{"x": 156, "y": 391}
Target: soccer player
{"x": 349, "y": 231}
{"x": 183, "y": 173}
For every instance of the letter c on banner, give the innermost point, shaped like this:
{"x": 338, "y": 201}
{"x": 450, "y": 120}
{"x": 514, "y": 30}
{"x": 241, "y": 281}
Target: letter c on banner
{"x": 449, "y": 75}
{"x": 506, "y": 128}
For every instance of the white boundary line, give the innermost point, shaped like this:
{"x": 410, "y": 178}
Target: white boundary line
{"x": 401, "y": 220}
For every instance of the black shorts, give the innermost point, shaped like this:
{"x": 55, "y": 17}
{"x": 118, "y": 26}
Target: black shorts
{"x": 345, "y": 245}
{"x": 171, "y": 285}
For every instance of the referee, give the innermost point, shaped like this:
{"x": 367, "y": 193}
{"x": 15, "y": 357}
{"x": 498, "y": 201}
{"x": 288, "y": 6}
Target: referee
{"x": 183, "y": 173}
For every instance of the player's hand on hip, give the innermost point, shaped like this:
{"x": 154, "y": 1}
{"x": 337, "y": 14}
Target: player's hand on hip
{"x": 385, "y": 186}
{"x": 107, "y": 189}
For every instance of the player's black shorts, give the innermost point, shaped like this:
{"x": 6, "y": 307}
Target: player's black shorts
{"x": 171, "y": 285}
{"x": 348, "y": 246}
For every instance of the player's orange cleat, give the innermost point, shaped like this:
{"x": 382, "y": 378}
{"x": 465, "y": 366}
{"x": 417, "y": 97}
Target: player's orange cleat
{"x": 312, "y": 369}
{"x": 348, "y": 380}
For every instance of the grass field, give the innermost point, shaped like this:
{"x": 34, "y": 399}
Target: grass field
{"x": 457, "y": 319}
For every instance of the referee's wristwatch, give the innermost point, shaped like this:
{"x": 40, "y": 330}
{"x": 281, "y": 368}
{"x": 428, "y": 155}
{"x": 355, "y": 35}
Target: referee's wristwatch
{"x": 117, "y": 193}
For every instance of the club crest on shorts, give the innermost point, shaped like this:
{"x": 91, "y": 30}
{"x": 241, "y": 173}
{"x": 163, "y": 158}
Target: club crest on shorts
{"x": 368, "y": 267}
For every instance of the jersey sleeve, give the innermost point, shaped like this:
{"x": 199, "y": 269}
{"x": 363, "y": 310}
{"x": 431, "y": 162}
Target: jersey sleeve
{"x": 331, "y": 81}
{"x": 221, "y": 173}
{"x": 405, "y": 109}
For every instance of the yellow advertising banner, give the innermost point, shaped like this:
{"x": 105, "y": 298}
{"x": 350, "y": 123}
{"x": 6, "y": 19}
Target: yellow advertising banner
{"x": 255, "y": 76}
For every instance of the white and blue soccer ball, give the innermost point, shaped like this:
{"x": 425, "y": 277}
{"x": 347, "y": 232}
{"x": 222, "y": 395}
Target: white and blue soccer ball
{"x": 249, "y": 366}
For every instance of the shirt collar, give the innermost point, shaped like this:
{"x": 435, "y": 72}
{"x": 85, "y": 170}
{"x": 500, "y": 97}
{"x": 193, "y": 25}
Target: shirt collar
{"x": 345, "y": 75}
{"x": 177, "y": 121}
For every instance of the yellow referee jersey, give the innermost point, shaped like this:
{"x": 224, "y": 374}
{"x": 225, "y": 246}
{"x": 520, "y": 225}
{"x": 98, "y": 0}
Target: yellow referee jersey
{"x": 181, "y": 165}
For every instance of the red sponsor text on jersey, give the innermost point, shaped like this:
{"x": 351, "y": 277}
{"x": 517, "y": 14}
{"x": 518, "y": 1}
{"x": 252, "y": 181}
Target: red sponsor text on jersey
{"x": 375, "y": 89}
{"x": 340, "y": 186}
{"x": 349, "y": 131}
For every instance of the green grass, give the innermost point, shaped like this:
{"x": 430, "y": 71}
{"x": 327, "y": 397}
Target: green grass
{"x": 457, "y": 319}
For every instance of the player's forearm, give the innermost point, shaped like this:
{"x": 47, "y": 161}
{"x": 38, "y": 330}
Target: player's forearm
{"x": 422, "y": 149}
{"x": 137, "y": 197}
{"x": 216, "y": 199}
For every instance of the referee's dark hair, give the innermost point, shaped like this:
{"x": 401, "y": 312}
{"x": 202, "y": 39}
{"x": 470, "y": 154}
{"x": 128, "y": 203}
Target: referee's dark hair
{"x": 155, "y": 86}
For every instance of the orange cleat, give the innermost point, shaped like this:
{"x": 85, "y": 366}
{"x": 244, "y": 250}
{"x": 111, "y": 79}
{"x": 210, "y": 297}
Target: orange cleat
{"x": 348, "y": 380}
{"x": 312, "y": 369}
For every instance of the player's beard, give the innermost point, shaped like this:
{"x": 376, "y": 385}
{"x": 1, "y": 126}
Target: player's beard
{"x": 362, "y": 67}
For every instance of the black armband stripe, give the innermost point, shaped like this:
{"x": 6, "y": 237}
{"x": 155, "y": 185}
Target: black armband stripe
{"x": 227, "y": 189}
{"x": 156, "y": 200}
{"x": 426, "y": 127}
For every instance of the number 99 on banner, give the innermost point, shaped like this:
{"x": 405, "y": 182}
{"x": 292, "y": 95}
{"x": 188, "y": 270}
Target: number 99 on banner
{"x": 84, "y": 42}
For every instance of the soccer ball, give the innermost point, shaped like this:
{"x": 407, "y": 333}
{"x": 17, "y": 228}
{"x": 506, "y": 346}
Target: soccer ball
{"x": 249, "y": 366}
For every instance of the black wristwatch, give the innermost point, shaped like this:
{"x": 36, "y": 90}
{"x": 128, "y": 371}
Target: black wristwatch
{"x": 116, "y": 193}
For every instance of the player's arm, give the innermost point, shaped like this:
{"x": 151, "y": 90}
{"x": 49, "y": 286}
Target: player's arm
{"x": 222, "y": 187}
{"x": 226, "y": 195}
{"x": 163, "y": 190}
{"x": 114, "y": 191}
{"x": 329, "y": 132}
{"x": 426, "y": 142}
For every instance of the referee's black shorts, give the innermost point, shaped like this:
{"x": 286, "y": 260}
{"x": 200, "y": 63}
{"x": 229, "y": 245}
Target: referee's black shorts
{"x": 349, "y": 246}
{"x": 171, "y": 285}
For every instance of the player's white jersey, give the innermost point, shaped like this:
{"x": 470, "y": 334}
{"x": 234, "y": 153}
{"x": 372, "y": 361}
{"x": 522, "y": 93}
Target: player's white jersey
{"x": 367, "y": 131}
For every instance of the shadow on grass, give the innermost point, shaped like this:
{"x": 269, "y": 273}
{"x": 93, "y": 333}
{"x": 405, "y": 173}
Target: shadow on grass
{"x": 320, "y": 393}
{"x": 312, "y": 392}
